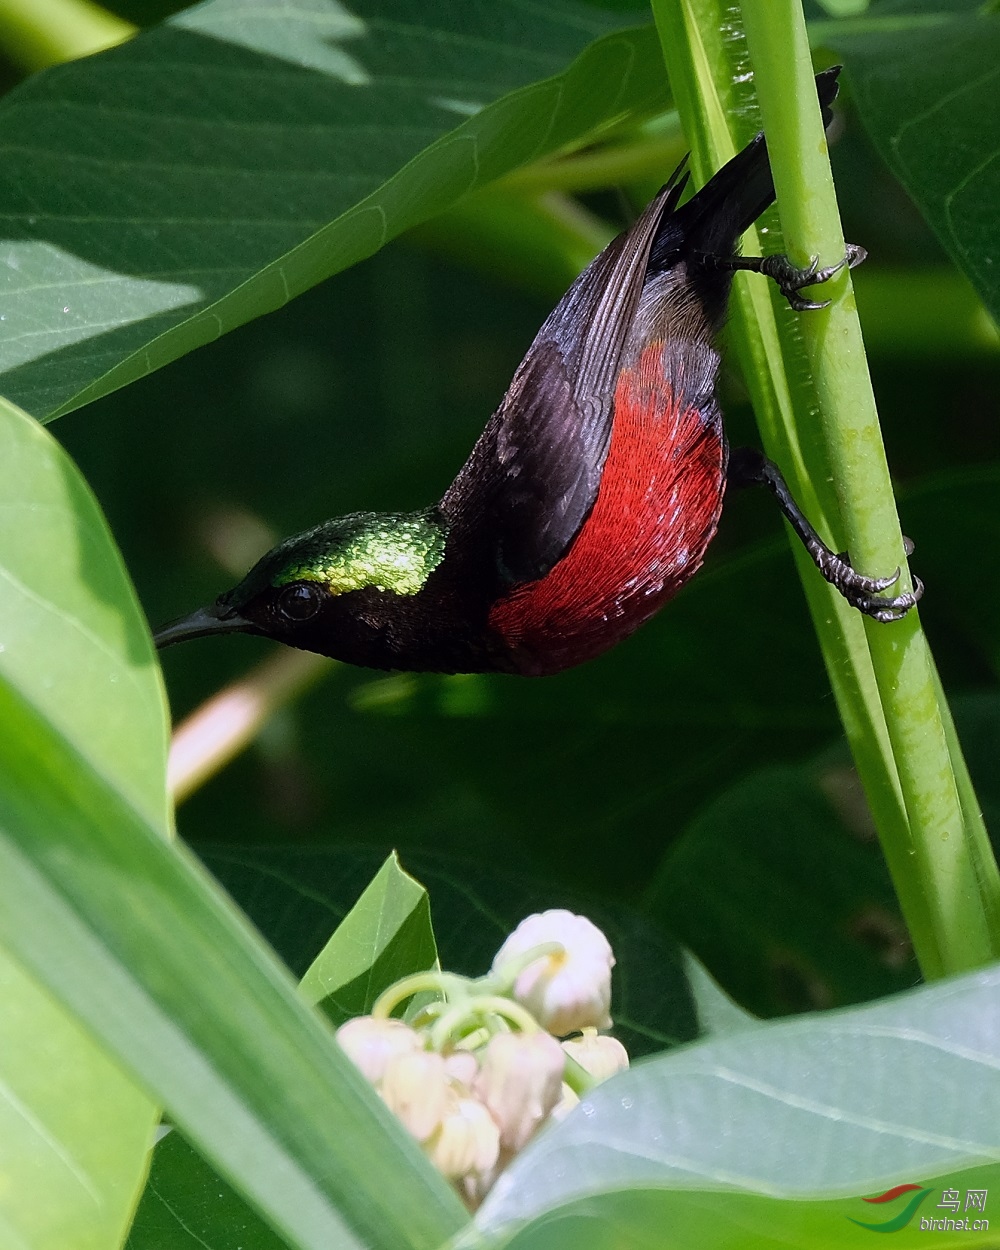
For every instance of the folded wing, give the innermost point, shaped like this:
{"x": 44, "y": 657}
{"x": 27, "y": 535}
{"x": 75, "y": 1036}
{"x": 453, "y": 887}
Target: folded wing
{"x": 533, "y": 476}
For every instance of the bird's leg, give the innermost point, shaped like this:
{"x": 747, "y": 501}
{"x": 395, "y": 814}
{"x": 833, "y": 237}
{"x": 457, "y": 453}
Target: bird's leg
{"x": 790, "y": 278}
{"x": 748, "y": 466}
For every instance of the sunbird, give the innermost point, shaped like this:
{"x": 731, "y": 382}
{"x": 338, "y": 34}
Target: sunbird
{"x": 589, "y": 499}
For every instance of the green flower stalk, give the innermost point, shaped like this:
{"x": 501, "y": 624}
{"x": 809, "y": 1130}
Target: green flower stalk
{"x": 819, "y": 422}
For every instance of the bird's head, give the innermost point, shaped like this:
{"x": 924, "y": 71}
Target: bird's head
{"x": 328, "y": 589}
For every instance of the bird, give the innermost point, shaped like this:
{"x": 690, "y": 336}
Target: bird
{"x": 593, "y": 492}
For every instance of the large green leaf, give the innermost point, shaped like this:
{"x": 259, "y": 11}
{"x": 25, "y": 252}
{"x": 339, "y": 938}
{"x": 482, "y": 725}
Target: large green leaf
{"x": 925, "y": 86}
{"x": 134, "y": 938}
{"x": 74, "y": 1131}
{"x": 633, "y": 1219}
{"x": 804, "y": 914}
{"x": 772, "y": 1136}
{"x": 385, "y": 935}
{"x": 164, "y": 192}
{"x": 187, "y": 1206}
{"x": 73, "y": 640}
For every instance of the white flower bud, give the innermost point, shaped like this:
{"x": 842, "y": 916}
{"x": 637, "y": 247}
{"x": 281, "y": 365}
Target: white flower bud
{"x": 600, "y": 1057}
{"x": 520, "y": 1079}
{"x": 371, "y": 1043}
{"x": 571, "y": 989}
{"x": 416, "y": 1088}
{"x": 467, "y": 1142}
{"x": 462, "y": 1066}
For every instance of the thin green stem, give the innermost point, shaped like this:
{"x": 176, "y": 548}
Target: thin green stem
{"x": 504, "y": 1008}
{"x": 447, "y": 983}
{"x": 940, "y": 856}
{"x": 706, "y": 59}
{"x": 502, "y": 979}
{"x": 704, "y": 64}
{"x": 577, "y": 1077}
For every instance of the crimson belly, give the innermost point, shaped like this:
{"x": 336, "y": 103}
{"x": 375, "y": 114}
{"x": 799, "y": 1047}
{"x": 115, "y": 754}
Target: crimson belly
{"x": 656, "y": 511}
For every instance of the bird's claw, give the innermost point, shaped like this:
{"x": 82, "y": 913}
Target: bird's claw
{"x": 866, "y": 593}
{"x": 845, "y": 576}
{"x": 887, "y": 608}
{"x": 791, "y": 279}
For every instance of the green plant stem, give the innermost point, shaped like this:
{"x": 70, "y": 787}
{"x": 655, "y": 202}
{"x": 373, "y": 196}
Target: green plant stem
{"x": 707, "y": 65}
{"x": 38, "y": 33}
{"x": 703, "y": 66}
{"x": 945, "y": 844}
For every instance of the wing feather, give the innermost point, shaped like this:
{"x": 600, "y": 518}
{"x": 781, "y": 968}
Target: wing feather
{"x": 534, "y": 474}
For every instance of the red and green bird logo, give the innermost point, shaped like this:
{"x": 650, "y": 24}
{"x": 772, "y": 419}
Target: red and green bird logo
{"x": 900, "y": 1219}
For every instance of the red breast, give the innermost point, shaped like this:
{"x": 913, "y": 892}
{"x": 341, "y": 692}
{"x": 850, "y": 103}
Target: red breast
{"x": 656, "y": 511}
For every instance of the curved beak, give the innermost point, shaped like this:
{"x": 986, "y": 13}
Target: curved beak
{"x": 211, "y": 620}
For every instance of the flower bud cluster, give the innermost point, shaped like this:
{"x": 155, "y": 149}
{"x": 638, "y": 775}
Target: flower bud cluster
{"x": 477, "y": 1071}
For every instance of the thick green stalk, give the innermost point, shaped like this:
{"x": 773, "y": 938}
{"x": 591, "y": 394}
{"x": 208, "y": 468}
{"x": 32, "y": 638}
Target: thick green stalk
{"x": 944, "y": 853}
{"x": 703, "y": 66}
{"x": 707, "y": 64}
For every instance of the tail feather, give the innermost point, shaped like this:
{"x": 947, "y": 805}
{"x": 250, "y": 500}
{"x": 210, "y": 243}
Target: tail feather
{"x": 731, "y": 201}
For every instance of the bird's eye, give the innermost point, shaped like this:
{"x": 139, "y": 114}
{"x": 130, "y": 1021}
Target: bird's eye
{"x": 299, "y": 602}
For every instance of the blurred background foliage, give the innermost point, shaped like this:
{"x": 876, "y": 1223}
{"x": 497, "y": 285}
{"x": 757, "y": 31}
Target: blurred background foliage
{"x": 697, "y": 770}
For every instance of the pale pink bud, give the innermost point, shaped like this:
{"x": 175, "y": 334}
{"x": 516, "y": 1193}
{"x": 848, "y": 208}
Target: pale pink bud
{"x": 520, "y": 1078}
{"x": 467, "y": 1142}
{"x": 370, "y": 1043}
{"x": 571, "y": 989}
{"x": 599, "y": 1056}
{"x": 416, "y": 1088}
{"x": 462, "y": 1066}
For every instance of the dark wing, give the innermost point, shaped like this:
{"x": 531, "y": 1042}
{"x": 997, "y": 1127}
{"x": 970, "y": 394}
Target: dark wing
{"x": 534, "y": 474}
